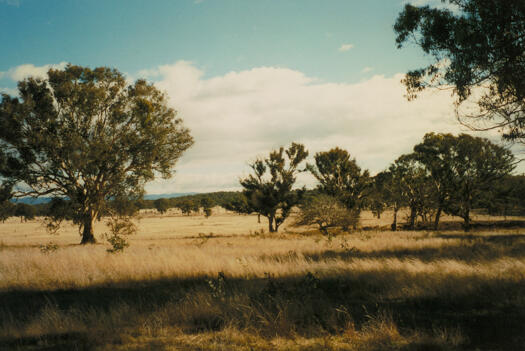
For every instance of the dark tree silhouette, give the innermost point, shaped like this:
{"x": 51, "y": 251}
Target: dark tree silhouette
{"x": 479, "y": 50}
{"x": 340, "y": 176}
{"x": 269, "y": 190}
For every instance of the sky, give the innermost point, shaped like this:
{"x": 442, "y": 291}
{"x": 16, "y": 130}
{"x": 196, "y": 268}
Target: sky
{"x": 246, "y": 76}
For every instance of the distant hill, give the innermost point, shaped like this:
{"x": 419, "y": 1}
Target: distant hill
{"x": 166, "y": 196}
{"x": 32, "y": 200}
{"x": 45, "y": 200}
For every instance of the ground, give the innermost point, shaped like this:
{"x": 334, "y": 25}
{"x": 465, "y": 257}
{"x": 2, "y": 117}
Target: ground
{"x": 224, "y": 283}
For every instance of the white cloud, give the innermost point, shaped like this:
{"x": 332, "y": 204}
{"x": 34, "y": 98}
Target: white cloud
{"x": 241, "y": 115}
{"x": 367, "y": 69}
{"x": 433, "y": 3}
{"x": 346, "y": 47}
{"x": 29, "y": 70}
{"x": 8, "y": 91}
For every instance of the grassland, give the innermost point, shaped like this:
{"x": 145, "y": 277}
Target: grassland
{"x": 190, "y": 283}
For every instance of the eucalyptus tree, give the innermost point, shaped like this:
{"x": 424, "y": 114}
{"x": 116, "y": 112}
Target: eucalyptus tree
{"x": 477, "y": 49}
{"x": 409, "y": 185}
{"x": 206, "y": 203}
{"x": 437, "y": 153}
{"x": 269, "y": 190}
{"x": 162, "y": 205}
{"x": 326, "y": 212}
{"x": 88, "y": 136}
{"x": 466, "y": 168}
{"x": 340, "y": 176}
{"x": 378, "y": 199}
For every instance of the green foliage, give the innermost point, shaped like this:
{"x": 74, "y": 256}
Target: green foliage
{"x": 410, "y": 185}
{"x": 268, "y": 190}
{"x": 88, "y": 136}
{"x": 218, "y": 287}
{"x": 57, "y": 211}
{"x": 340, "y": 176}
{"x": 207, "y": 204}
{"x": 162, "y": 205}
{"x": 24, "y": 211}
{"x": 465, "y": 167}
{"x": 377, "y": 201}
{"x": 186, "y": 206}
{"x": 505, "y": 197}
{"x": 239, "y": 205}
{"x": 325, "y": 211}
{"x": 7, "y": 209}
{"x": 119, "y": 229}
{"x": 479, "y": 51}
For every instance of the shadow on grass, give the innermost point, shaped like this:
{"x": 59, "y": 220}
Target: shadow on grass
{"x": 492, "y": 316}
{"x": 472, "y": 248}
{"x": 50, "y": 342}
{"x": 455, "y": 225}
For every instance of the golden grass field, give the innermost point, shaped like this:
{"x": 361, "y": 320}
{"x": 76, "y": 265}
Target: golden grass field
{"x": 224, "y": 283}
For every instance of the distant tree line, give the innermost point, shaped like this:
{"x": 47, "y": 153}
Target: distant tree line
{"x": 445, "y": 174}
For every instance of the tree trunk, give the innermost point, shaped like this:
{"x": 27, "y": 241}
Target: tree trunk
{"x": 259, "y": 218}
{"x": 277, "y": 226}
{"x": 88, "y": 236}
{"x": 270, "y": 224}
{"x": 436, "y": 220}
{"x": 412, "y": 220}
{"x": 394, "y": 223}
{"x": 466, "y": 218}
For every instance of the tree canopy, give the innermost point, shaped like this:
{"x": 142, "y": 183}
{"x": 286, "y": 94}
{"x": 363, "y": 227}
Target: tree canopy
{"x": 470, "y": 166}
{"x": 88, "y": 136}
{"x": 340, "y": 176}
{"x": 479, "y": 50}
{"x": 269, "y": 190}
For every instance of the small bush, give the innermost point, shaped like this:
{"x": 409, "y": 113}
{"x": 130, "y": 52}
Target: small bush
{"x": 48, "y": 248}
{"x": 119, "y": 227}
{"x": 327, "y": 212}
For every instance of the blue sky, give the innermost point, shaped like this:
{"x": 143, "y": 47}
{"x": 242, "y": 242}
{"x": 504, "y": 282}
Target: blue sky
{"x": 218, "y": 36}
{"x": 246, "y": 76}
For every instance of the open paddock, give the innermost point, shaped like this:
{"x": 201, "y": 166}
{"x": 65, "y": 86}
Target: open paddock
{"x": 225, "y": 283}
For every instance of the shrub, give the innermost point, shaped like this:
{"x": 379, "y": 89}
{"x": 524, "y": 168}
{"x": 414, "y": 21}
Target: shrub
{"x": 327, "y": 212}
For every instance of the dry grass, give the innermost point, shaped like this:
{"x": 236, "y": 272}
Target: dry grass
{"x": 221, "y": 283}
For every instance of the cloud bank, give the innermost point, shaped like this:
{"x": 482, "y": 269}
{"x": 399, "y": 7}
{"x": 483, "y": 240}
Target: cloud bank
{"x": 29, "y": 70}
{"x": 433, "y": 3}
{"x": 241, "y": 115}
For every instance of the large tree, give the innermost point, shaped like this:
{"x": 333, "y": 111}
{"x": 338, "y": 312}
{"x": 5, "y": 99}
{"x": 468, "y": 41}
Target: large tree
{"x": 340, "y": 176}
{"x": 478, "y": 49}
{"x": 466, "y": 168}
{"x": 88, "y": 136}
{"x": 410, "y": 186}
{"x": 437, "y": 154}
{"x": 269, "y": 190}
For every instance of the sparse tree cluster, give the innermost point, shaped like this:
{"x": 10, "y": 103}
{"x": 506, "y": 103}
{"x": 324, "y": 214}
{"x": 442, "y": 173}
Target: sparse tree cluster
{"x": 445, "y": 173}
{"x": 91, "y": 141}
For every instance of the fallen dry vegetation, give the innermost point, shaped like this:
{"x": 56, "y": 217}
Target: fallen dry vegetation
{"x": 190, "y": 283}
